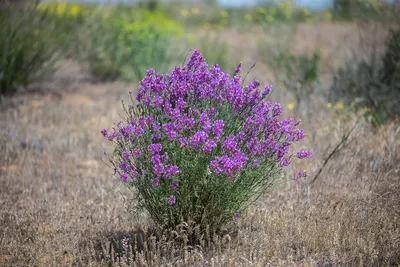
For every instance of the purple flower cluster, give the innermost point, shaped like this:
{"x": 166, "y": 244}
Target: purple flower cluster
{"x": 304, "y": 154}
{"x": 207, "y": 111}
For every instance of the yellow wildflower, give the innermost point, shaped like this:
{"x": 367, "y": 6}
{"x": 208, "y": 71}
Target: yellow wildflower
{"x": 299, "y": 84}
{"x": 74, "y": 10}
{"x": 261, "y": 11}
{"x": 306, "y": 12}
{"x": 195, "y": 11}
{"x": 248, "y": 17}
{"x": 60, "y": 9}
{"x": 366, "y": 110}
{"x": 43, "y": 6}
{"x": 224, "y": 13}
{"x": 290, "y": 106}
{"x": 207, "y": 26}
{"x": 328, "y": 16}
{"x": 184, "y": 12}
{"x": 329, "y": 105}
{"x": 340, "y": 106}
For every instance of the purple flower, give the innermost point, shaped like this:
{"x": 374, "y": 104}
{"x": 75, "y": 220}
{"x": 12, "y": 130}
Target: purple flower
{"x": 237, "y": 216}
{"x": 155, "y": 137}
{"x": 167, "y": 127}
{"x": 212, "y": 111}
{"x": 104, "y": 132}
{"x": 158, "y": 169}
{"x": 113, "y": 135}
{"x": 136, "y": 152}
{"x": 138, "y": 130}
{"x": 183, "y": 141}
{"x": 174, "y": 185}
{"x": 241, "y": 136}
{"x": 189, "y": 122}
{"x": 164, "y": 157}
{"x": 218, "y": 129}
{"x": 171, "y": 135}
{"x": 215, "y": 167}
{"x": 277, "y": 110}
{"x": 256, "y": 163}
{"x": 134, "y": 174}
{"x": 301, "y": 174}
{"x": 156, "y": 181}
{"x": 158, "y": 101}
{"x": 194, "y": 140}
{"x": 156, "y": 126}
{"x": 123, "y": 166}
{"x": 209, "y": 145}
{"x": 284, "y": 162}
{"x": 304, "y": 154}
{"x": 150, "y": 72}
{"x": 230, "y": 143}
{"x": 176, "y": 114}
{"x": 155, "y": 148}
{"x": 123, "y": 177}
{"x": 149, "y": 120}
{"x": 167, "y": 108}
{"x": 181, "y": 104}
{"x": 126, "y": 155}
{"x": 171, "y": 200}
{"x": 237, "y": 69}
{"x": 267, "y": 90}
{"x": 171, "y": 170}
{"x": 156, "y": 159}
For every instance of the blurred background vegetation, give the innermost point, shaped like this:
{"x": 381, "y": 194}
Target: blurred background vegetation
{"x": 122, "y": 40}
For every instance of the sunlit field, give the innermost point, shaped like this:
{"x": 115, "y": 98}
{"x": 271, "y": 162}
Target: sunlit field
{"x": 65, "y": 70}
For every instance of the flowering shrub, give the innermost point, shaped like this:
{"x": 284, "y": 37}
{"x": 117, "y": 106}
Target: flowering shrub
{"x": 201, "y": 146}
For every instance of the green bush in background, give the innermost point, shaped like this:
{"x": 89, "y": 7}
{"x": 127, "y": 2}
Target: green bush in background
{"x": 374, "y": 87}
{"x": 216, "y": 52}
{"x": 124, "y": 43}
{"x": 26, "y": 48}
{"x": 299, "y": 73}
{"x": 68, "y": 19}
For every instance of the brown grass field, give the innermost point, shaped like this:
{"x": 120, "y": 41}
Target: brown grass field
{"x": 61, "y": 207}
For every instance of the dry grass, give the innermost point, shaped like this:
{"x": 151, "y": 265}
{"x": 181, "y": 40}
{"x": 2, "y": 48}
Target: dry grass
{"x": 59, "y": 206}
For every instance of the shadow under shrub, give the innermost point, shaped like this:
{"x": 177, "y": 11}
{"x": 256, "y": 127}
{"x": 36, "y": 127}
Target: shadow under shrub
{"x": 200, "y": 146}
{"x": 26, "y": 50}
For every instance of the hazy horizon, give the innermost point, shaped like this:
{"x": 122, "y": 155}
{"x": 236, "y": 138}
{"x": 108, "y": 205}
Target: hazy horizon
{"x": 310, "y": 4}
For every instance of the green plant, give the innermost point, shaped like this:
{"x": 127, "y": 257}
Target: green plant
{"x": 67, "y": 19}
{"x": 124, "y": 45}
{"x": 391, "y": 61}
{"x": 216, "y": 51}
{"x": 299, "y": 73}
{"x": 361, "y": 9}
{"x": 373, "y": 85}
{"x": 26, "y": 51}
